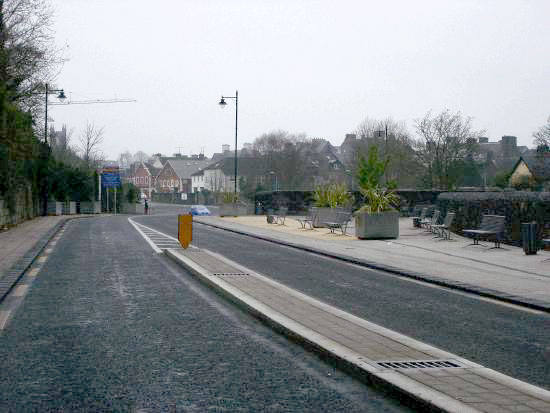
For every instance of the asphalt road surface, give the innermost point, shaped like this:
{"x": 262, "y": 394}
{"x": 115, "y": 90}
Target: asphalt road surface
{"x": 509, "y": 340}
{"x": 109, "y": 325}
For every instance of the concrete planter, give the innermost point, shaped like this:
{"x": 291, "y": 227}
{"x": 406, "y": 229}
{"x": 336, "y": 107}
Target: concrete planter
{"x": 55, "y": 208}
{"x": 90, "y": 207}
{"x": 69, "y": 208}
{"x": 229, "y": 210}
{"x": 377, "y": 226}
{"x": 325, "y": 215}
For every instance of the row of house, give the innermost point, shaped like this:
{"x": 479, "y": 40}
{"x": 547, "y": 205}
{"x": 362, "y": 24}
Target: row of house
{"x": 324, "y": 162}
{"x": 197, "y": 173}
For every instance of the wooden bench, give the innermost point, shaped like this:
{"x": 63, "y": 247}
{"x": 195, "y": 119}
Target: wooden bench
{"x": 342, "y": 220}
{"x": 492, "y": 227}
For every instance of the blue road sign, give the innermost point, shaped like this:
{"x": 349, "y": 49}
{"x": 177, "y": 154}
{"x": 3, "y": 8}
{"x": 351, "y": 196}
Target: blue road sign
{"x": 110, "y": 180}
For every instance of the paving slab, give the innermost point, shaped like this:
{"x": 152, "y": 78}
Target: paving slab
{"x": 429, "y": 377}
{"x": 506, "y": 273}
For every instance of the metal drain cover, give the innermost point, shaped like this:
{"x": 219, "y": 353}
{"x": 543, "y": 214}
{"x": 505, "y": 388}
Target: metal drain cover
{"x": 419, "y": 364}
{"x": 228, "y": 274}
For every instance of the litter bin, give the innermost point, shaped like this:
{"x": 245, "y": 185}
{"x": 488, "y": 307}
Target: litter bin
{"x": 529, "y": 237}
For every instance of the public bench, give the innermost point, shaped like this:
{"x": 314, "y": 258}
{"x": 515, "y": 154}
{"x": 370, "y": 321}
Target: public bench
{"x": 417, "y": 219}
{"x": 341, "y": 222}
{"x": 429, "y": 222}
{"x": 281, "y": 215}
{"x": 309, "y": 219}
{"x": 444, "y": 230}
{"x": 491, "y": 228}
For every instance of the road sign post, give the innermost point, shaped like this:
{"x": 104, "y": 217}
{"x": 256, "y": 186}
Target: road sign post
{"x": 185, "y": 229}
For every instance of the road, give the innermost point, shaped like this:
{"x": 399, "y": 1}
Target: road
{"x": 109, "y": 325}
{"x": 501, "y": 337}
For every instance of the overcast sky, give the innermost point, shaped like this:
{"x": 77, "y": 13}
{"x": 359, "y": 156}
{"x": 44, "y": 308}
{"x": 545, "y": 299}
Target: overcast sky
{"x": 313, "y": 67}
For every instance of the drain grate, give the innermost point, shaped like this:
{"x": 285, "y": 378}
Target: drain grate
{"x": 228, "y": 274}
{"x": 419, "y": 364}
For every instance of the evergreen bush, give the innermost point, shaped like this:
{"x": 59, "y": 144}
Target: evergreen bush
{"x": 517, "y": 206}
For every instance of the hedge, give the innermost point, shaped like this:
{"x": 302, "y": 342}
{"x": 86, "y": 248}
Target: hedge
{"x": 516, "y": 206}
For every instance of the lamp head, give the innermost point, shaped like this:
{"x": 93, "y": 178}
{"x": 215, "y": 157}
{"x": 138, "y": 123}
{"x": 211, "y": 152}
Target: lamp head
{"x": 222, "y": 103}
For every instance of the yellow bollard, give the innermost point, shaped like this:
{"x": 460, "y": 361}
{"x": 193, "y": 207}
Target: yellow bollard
{"x": 185, "y": 229}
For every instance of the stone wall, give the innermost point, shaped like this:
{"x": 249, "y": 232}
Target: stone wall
{"x": 26, "y": 207}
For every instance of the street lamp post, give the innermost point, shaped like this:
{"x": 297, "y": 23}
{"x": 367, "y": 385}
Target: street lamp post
{"x": 273, "y": 174}
{"x": 223, "y": 104}
{"x": 61, "y": 96}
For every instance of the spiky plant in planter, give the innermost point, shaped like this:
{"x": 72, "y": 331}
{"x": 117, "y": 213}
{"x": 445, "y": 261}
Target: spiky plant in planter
{"x": 377, "y": 218}
{"x": 328, "y": 198}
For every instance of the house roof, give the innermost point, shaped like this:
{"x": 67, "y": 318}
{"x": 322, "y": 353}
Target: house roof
{"x": 245, "y": 166}
{"x": 184, "y": 168}
{"x": 539, "y": 165}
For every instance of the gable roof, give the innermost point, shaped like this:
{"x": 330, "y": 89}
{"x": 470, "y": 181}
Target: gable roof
{"x": 245, "y": 166}
{"x": 539, "y": 165}
{"x": 184, "y": 168}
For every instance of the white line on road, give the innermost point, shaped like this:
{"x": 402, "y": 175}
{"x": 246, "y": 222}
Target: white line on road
{"x": 151, "y": 243}
{"x": 159, "y": 241}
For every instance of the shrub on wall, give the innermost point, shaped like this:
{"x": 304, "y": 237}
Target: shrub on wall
{"x": 516, "y": 206}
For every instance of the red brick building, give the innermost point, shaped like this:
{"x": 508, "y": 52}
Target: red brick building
{"x": 143, "y": 175}
{"x": 175, "y": 176}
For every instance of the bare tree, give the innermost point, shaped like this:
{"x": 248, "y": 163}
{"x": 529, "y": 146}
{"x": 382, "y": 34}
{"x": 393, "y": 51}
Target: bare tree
{"x": 28, "y": 57}
{"x": 446, "y": 139}
{"x": 394, "y": 141}
{"x": 141, "y": 156}
{"x": 125, "y": 159}
{"x": 542, "y": 136}
{"x": 284, "y": 155}
{"x": 90, "y": 139}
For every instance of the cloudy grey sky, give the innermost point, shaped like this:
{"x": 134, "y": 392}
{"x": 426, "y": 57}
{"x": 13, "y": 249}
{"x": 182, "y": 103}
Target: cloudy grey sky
{"x": 306, "y": 66}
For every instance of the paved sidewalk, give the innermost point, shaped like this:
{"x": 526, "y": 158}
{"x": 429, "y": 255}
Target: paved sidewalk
{"x": 505, "y": 273}
{"x": 20, "y": 245}
{"x": 16, "y": 242}
{"x": 427, "y": 376}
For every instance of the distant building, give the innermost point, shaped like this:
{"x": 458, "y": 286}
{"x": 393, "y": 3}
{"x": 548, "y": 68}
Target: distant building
{"x": 532, "y": 169}
{"x": 175, "y": 176}
{"x": 58, "y": 139}
{"x": 142, "y": 175}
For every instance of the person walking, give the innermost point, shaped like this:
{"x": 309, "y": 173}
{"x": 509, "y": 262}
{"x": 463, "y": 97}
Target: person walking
{"x": 146, "y": 207}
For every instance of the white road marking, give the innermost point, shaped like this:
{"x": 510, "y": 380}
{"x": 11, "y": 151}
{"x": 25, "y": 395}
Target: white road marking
{"x": 151, "y": 243}
{"x": 4, "y": 316}
{"x": 159, "y": 241}
{"x": 20, "y": 290}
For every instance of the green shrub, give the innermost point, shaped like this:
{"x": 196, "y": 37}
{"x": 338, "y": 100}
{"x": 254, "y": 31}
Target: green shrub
{"x": 230, "y": 198}
{"x": 516, "y": 206}
{"x": 331, "y": 196}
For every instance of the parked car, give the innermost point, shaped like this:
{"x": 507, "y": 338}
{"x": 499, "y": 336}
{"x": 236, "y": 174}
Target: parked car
{"x": 199, "y": 210}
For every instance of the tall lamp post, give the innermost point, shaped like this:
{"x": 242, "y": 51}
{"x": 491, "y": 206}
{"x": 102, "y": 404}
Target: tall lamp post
{"x": 223, "y": 104}
{"x": 61, "y": 96}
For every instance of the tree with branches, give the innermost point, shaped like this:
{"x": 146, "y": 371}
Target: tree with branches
{"x": 90, "y": 140}
{"x": 446, "y": 139}
{"x": 394, "y": 142}
{"x": 542, "y": 136}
